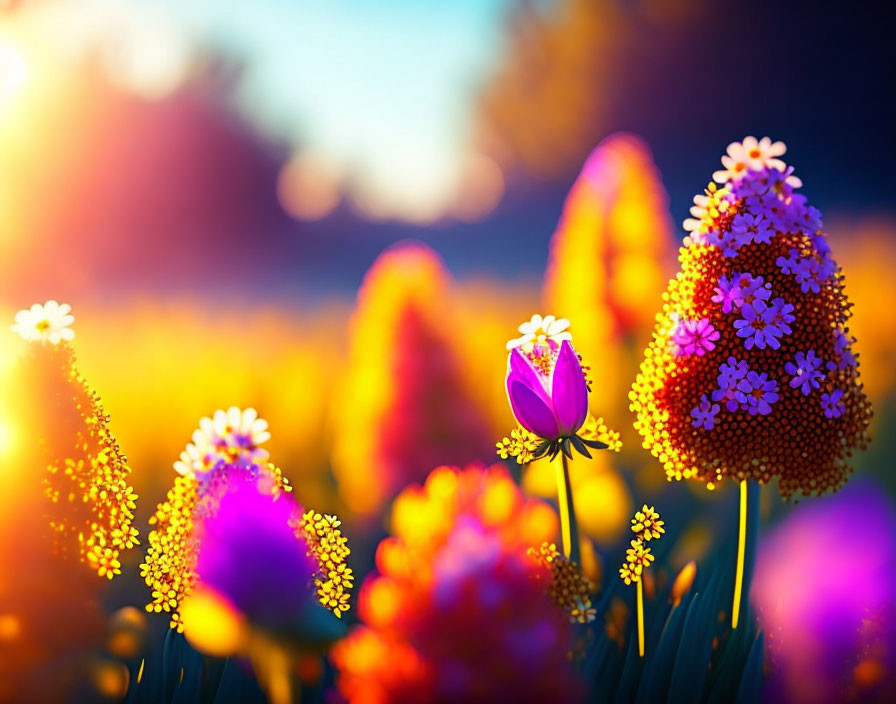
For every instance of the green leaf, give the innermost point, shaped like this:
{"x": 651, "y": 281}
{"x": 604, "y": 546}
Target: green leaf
{"x": 750, "y": 687}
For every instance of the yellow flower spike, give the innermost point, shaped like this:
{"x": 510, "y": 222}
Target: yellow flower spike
{"x": 646, "y": 525}
{"x": 86, "y": 477}
{"x": 329, "y": 547}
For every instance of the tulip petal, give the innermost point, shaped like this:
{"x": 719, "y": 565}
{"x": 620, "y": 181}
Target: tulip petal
{"x": 531, "y": 411}
{"x": 569, "y": 391}
{"x": 519, "y": 369}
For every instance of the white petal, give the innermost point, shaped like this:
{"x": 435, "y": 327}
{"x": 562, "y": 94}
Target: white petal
{"x": 560, "y": 337}
{"x": 520, "y": 341}
{"x": 261, "y": 437}
{"x": 558, "y": 326}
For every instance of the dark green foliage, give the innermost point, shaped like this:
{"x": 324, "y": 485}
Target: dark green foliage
{"x": 206, "y": 680}
{"x": 692, "y": 655}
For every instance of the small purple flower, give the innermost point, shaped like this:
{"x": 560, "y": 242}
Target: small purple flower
{"x": 780, "y": 183}
{"x": 776, "y": 211}
{"x": 758, "y": 326}
{"x": 805, "y": 371}
{"x": 730, "y": 373}
{"x": 832, "y": 405}
{"x": 820, "y": 242}
{"x": 552, "y": 406}
{"x": 827, "y": 268}
{"x": 805, "y": 217}
{"x": 788, "y": 264}
{"x": 729, "y": 242}
{"x": 757, "y": 392}
{"x": 695, "y": 337}
{"x": 747, "y": 228}
{"x": 808, "y": 274}
{"x": 728, "y": 294}
{"x": 753, "y": 288}
{"x": 783, "y": 316}
{"x": 704, "y": 415}
{"x": 845, "y": 357}
{"x": 728, "y": 396}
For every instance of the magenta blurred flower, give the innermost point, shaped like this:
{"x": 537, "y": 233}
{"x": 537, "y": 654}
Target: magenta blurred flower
{"x": 823, "y": 591}
{"x": 252, "y": 555}
{"x": 547, "y": 390}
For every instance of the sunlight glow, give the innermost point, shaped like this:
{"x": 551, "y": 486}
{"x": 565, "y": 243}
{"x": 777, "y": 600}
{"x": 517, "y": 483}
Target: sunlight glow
{"x": 13, "y": 73}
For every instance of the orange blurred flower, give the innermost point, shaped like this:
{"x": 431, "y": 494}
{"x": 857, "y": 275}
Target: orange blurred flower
{"x": 458, "y": 611}
{"x": 405, "y": 405}
{"x": 67, "y": 499}
{"x": 610, "y": 257}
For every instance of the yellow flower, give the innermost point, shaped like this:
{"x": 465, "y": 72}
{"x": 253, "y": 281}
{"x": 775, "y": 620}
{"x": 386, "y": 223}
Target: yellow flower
{"x": 647, "y": 524}
{"x": 568, "y": 588}
{"x": 329, "y": 547}
{"x": 521, "y": 444}
{"x": 638, "y": 556}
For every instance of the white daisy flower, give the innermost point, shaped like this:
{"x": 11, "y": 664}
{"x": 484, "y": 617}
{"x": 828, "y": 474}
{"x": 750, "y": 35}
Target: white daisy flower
{"x": 239, "y": 428}
{"x": 231, "y": 435}
{"x": 752, "y": 155}
{"x": 539, "y": 330}
{"x": 45, "y": 323}
{"x": 194, "y": 460}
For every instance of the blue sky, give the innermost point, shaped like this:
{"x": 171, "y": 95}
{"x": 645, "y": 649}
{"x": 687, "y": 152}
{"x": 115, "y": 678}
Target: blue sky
{"x": 384, "y": 88}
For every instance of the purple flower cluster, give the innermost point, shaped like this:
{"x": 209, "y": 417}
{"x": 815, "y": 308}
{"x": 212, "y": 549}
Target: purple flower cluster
{"x": 772, "y": 207}
{"x": 769, "y": 192}
{"x": 810, "y": 271}
{"x": 805, "y": 371}
{"x": 740, "y": 388}
{"x": 832, "y": 405}
{"x": 761, "y": 324}
{"x": 694, "y": 337}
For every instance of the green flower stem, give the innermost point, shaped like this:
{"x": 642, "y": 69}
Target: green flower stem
{"x": 569, "y": 529}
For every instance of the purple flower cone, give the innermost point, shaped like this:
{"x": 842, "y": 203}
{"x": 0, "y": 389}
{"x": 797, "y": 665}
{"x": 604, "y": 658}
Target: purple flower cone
{"x": 552, "y": 406}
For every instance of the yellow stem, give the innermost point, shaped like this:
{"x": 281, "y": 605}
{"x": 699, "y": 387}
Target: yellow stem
{"x": 641, "y": 616}
{"x": 741, "y": 544}
{"x": 568, "y": 529}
